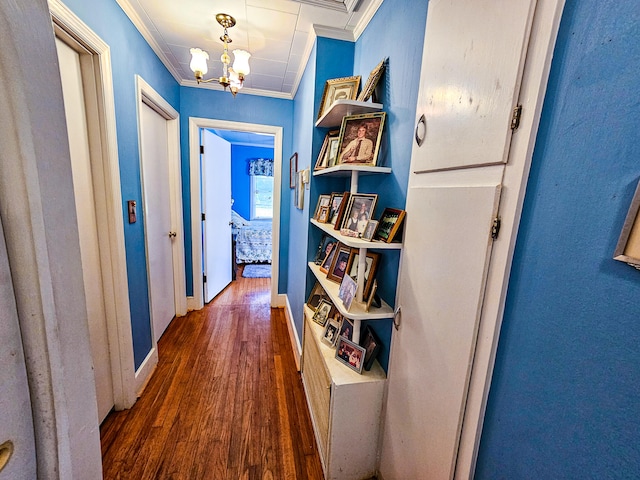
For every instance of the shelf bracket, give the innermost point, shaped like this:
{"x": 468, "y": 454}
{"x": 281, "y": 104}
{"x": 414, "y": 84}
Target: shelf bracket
{"x": 354, "y": 182}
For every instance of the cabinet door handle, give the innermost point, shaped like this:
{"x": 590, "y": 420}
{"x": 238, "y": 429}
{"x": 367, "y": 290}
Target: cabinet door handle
{"x": 421, "y": 130}
{"x": 397, "y": 317}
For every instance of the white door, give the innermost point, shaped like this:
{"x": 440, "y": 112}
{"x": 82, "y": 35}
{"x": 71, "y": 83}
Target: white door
{"x": 471, "y": 70}
{"x": 83, "y": 186}
{"x": 216, "y": 202}
{"x": 157, "y": 217}
{"x": 17, "y": 444}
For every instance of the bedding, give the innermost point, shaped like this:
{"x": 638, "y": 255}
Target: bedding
{"x": 253, "y": 239}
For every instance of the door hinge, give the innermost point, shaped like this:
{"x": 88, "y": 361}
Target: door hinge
{"x": 204, "y": 279}
{"x": 201, "y": 149}
{"x": 495, "y": 228}
{"x": 515, "y": 117}
{"x": 203, "y": 217}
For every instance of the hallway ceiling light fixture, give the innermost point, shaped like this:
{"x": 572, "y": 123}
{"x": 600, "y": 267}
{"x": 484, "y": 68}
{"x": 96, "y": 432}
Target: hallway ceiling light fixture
{"x": 232, "y": 77}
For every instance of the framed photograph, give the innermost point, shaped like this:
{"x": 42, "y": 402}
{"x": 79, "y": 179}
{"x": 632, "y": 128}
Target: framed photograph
{"x": 370, "y": 268}
{"x": 360, "y": 137}
{"x": 323, "y": 312}
{"x": 347, "y": 291}
{"x": 299, "y": 192}
{"x": 389, "y": 225}
{"x": 328, "y": 259}
{"x": 359, "y": 211}
{"x": 317, "y": 294}
{"x": 372, "y": 295}
{"x": 332, "y": 150}
{"x": 331, "y": 332}
{"x": 323, "y": 201}
{"x": 324, "y": 155}
{"x": 323, "y": 216}
{"x": 339, "y": 263}
{"x": 372, "y": 82}
{"x": 371, "y": 344}
{"x": 369, "y": 230}
{"x": 324, "y": 249}
{"x": 628, "y": 247}
{"x": 336, "y": 220}
{"x": 334, "y": 207}
{"x": 345, "y": 88}
{"x": 350, "y": 354}
{"x": 293, "y": 168}
{"x": 346, "y": 329}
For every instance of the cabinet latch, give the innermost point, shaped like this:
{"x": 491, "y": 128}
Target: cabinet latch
{"x": 495, "y": 228}
{"x": 515, "y": 117}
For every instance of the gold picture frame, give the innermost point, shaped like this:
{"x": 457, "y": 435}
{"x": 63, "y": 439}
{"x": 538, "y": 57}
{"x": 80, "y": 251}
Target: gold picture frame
{"x": 372, "y": 81}
{"x": 360, "y": 138}
{"x": 338, "y": 89}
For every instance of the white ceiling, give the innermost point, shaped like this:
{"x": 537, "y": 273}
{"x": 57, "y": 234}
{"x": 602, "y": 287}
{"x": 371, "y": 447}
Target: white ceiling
{"x": 278, "y": 33}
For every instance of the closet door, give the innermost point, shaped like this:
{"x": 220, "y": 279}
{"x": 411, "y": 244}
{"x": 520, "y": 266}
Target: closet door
{"x": 472, "y": 67}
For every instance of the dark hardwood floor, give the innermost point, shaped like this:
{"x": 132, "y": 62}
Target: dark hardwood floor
{"x": 225, "y": 401}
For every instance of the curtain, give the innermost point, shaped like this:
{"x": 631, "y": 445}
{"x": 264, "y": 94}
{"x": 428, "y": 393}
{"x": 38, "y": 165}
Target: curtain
{"x": 261, "y": 166}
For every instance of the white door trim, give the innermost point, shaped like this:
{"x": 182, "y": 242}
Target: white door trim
{"x": 114, "y": 266}
{"x": 544, "y": 32}
{"x": 195, "y": 124}
{"x": 146, "y": 94}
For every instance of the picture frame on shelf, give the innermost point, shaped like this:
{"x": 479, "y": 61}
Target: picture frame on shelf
{"x": 339, "y": 263}
{"x": 332, "y": 150}
{"x": 347, "y": 291}
{"x": 323, "y": 216}
{"x": 327, "y": 243}
{"x": 370, "y": 270}
{"x": 371, "y": 83}
{"x": 293, "y": 168}
{"x": 372, "y": 295}
{"x": 350, "y": 354}
{"x": 344, "y": 88}
{"x": 346, "y": 328}
{"x": 317, "y": 293}
{"x": 328, "y": 259}
{"x": 389, "y": 225}
{"x": 323, "y": 312}
{"x": 334, "y": 206}
{"x": 628, "y": 246}
{"x": 369, "y": 230}
{"x": 332, "y": 331}
{"x": 359, "y": 211}
{"x": 360, "y": 137}
{"x": 323, "y": 157}
{"x": 336, "y": 220}
{"x": 323, "y": 201}
{"x": 371, "y": 344}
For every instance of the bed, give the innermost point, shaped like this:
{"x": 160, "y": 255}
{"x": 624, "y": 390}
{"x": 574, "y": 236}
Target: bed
{"x": 252, "y": 239}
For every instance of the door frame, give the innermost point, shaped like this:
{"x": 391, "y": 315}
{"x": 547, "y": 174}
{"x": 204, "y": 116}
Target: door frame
{"x": 107, "y": 187}
{"x": 146, "y": 94}
{"x": 195, "y": 124}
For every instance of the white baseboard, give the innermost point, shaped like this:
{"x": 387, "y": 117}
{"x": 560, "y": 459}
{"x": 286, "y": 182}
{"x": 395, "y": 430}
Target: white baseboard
{"x": 143, "y": 374}
{"x": 191, "y": 304}
{"x": 293, "y": 333}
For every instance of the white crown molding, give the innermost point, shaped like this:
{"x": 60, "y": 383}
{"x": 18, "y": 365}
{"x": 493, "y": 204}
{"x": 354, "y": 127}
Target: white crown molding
{"x": 366, "y": 18}
{"x": 244, "y": 91}
{"x": 144, "y": 31}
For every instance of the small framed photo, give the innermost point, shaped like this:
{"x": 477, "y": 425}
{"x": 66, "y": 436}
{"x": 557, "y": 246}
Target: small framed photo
{"x": 346, "y": 329}
{"x": 323, "y": 312}
{"x": 370, "y": 269}
{"x": 360, "y": 137}
{"x": 332, "y": 150}
{"x": 347, "y": 291}
{"x": 326, "y": 245}
{"x": 293, "y": 168}
{"x": 336, "y": 219}
{"x": 371, "y": 345}
{"x": 317, "y": 294}
{"x": 369, "y": 230}
{"x": 359, "y": 211}
{"x": 389, "y": 225}
{"x": 372, "y": 295}
{"x": 334, "y": 206}
{"x": 350, "y": 354}
{"x": 372, "y": 82}
{"x": 339, "y": 263}
{"x": 323, "y": 201}
{"x": 326, "y": 263}
{"x": 323, "y": 157}
{"x": 331, "y": 331}
{"x": 345, "y": 88}
{"x": 323, "y": 216}
{"x": 299, "y": 192}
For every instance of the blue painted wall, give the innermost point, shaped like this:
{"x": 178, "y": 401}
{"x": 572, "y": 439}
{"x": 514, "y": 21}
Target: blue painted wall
{"x": 240, "y": 179}
{"x": 565, "y": 397}
{"x": 130, "y": 56}
{"x": 398, "y": 93}
{"x": 213, "y": 104}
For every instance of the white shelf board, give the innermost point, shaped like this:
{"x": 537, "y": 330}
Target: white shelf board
{"x": 357, "y": 311}
{"x": 341, "y": 108}
{"x": 355, "y": 242}
{"x": 345, "y": 170}
{"x": 341, "y": 374}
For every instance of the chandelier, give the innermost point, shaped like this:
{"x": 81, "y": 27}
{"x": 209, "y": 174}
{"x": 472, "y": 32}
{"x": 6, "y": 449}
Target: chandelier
{"x": 232, "y": 77}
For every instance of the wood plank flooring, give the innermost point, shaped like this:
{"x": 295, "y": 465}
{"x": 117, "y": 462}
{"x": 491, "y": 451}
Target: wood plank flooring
{"x": 225, "y": 401}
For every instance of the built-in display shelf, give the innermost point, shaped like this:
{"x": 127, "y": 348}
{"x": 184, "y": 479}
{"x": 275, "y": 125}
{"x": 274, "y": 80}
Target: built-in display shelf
{"x": 355, "y": 242}
{"x": 345, "y": 169}
{"x": 341, "y": 108}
